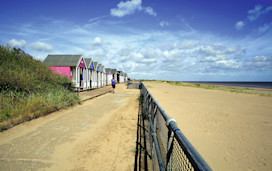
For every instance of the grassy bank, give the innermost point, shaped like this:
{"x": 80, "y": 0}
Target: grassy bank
{"x": 242, "y": 90}
{"x": 28, "y": 89}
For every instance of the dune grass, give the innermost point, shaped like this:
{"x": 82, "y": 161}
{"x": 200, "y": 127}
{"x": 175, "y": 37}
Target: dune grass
{"x": 28, "y": 89}
{"x": 241, "y": 90}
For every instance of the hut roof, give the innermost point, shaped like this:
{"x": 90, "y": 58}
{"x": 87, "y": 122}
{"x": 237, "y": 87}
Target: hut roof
{"x": 95, "y": 65}
{"x": 89, "y": 62}
{"x": 98, "y": 67}
{"x": 120, "y": 73}
{"x": 62, "y": 60}
{"x": 103, "y": 68}
{"x": 108, "y": 70}
{"x": 113, "y": 71}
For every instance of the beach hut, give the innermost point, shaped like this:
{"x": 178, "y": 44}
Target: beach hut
{"x": 108, "y": 76}
{"x": 114, "y": 73}
{"x": 90, "y": 72}
{"x": 120, "y": 77}
{"x": 95, "y": 75}
{"x": 72, "y": 66}
{"x": 99, "y": 75}
{"x": 104, "y": 76}
{"x": 125, "y": 77}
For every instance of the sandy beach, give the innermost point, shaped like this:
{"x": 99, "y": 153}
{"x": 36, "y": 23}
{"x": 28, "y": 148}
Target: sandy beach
{"x": 231, "y": 131}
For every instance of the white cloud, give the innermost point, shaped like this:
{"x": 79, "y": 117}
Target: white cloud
{"x": 97, "y": 18}
{"x": 253, "y": 15}
{"x": 164, "y": 23}
{"x": 153, "y": 53}
{"x": 228, "y": 64}
{"x": 97, "y": 41}
{"x": 126, "y": 8}
{"x": 17, "y": 43}
{"x": 211, "y": 50}
{"x": 188, "y": 44}
{"x": 145, "y": 61}
{"x": 100, "y": 54}
{"x": 77, "y": 30}
{"x": 259, "y": 59}
{"x": 129, "y": 7}
{"x": 265, "y": 27}
{"x": 258, "y": 10}
{"x": 239, "y": 25}
{"x": 150, "y": 11}
{"x": 214, "y": 58}
{"x": 40, "y": 46}
{"x": 259, "y": 63}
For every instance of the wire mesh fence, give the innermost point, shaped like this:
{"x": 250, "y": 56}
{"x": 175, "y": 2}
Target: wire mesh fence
{"x": 170, "y": 149}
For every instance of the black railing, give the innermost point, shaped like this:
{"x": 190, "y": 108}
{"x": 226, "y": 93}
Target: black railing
{"x": 170, "y": 149}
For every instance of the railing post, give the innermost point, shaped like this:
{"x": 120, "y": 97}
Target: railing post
{"x": 169, "y": 145}
{"x": 192, "y": 157}
{"x": 158, "y": 151}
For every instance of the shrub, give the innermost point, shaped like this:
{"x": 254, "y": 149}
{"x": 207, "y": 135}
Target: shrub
{"x": 28, "y": 89}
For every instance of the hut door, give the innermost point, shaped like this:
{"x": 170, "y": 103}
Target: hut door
{"x": 90, "y": 78}
{"x": 118, "y": 80}
{"x": 81, "y": 76}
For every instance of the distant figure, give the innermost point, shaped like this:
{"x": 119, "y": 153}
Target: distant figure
{"x": 113, "y": 83}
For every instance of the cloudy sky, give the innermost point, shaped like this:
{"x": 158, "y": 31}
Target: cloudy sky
{"x": 182, "y": 40}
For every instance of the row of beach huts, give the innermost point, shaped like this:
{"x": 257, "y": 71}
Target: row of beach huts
{"x": 84, "y": 72}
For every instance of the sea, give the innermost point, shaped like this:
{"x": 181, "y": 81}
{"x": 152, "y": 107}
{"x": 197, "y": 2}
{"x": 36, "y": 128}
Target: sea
{"x": 265, "y": 85}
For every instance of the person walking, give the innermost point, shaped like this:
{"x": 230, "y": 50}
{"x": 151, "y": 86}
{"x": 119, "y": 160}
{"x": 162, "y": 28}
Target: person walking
{"x": 113, "y": 83}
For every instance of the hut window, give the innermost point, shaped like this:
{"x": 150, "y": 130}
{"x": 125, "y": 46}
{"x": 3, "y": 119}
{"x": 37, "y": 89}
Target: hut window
{"x": 74, "y": 73}
{"x": 71, "y": 71}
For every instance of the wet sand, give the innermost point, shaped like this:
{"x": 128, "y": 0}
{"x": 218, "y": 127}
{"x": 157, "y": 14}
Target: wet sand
{"x": 231, "y": 131}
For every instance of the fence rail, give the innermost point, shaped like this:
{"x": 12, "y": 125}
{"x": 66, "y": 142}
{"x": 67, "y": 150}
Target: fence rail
{"x": 170, "y": 149}
{"x": 134, "y": 85}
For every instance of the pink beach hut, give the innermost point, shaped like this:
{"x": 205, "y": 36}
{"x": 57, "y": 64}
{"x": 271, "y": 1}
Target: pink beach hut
{"x": 72, "y": 66}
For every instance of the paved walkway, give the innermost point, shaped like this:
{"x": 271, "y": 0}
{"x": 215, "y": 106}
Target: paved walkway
{"x": 99, "y": 134}
{"x": 89, "y": 94}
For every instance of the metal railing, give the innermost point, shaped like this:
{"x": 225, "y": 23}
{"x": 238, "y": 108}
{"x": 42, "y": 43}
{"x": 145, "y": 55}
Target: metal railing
{"x": 170, "y": 149}
{"x": 134, "y": 85}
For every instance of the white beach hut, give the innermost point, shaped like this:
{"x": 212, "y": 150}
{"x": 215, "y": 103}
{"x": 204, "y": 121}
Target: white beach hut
{"x": 120, "y": 77}
{"x": 104, "y": 76}
{"x": 99, "y": 76}
{"x": 95, "y": 75}
{"x": 108, "y": 76}
{"x": 90, "y": 72}
{"x": 125, "y": 77}
{"x": 114, "y": 74}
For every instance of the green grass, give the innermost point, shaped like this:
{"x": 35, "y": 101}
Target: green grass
{"x": 28, "y": 89}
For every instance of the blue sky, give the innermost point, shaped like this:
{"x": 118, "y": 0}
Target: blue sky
{"x": 180, "y": 40}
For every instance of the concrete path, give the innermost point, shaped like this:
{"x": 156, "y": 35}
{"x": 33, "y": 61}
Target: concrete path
{"x": 89, "y": 94}
{"x": 100, "y": 134}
